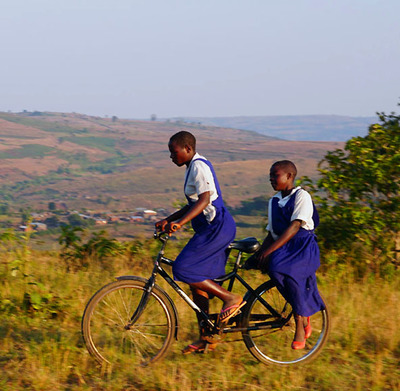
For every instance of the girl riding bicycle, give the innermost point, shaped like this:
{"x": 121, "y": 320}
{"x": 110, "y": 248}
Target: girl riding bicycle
{"x": 204, "y": 256}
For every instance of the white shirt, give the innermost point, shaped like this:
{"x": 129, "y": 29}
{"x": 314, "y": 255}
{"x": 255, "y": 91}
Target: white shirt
{"x": 303, "y": 209}
{"x": 199, "y": 181}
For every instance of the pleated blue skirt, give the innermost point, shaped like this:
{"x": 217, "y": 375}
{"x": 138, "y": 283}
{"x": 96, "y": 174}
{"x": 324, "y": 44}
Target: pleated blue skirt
{"x": 292, "y": 267}
{"x": 204, "y": 256}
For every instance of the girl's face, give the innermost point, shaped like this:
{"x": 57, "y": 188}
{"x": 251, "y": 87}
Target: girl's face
{"x": 280, "y": 180}
{"x": 180, "y": 155}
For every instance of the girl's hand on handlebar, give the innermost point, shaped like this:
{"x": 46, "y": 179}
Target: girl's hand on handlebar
{"x": 160, "y": 225}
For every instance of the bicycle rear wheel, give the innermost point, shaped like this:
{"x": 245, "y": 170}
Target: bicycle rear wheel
{"x": 270, "y": 331}
{"x": 108, "y": 313}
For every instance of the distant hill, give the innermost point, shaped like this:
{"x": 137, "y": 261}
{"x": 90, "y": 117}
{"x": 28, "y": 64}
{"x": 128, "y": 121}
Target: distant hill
{"x": 296, "y": 127}
{"x": 116, "y": 164}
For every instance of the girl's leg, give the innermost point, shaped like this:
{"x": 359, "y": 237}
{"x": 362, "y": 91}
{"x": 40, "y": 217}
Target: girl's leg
{"x": 213, "y": 288}
{"x": 301, "y": 322}
{"x": 201, "y": 291}
{"x": 201, "y": 298}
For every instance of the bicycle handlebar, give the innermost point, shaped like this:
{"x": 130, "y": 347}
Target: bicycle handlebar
{"x": 161, "y": 235}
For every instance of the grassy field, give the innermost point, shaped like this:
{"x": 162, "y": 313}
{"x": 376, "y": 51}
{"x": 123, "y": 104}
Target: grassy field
{"x": 41, "y": 305}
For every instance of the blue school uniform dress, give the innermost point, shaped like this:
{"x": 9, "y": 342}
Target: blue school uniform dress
{"x": 293, "y": 265}
{"x": 204, "y": 256}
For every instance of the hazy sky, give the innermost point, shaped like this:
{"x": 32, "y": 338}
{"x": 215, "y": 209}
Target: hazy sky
{"x": 172, "y": 58}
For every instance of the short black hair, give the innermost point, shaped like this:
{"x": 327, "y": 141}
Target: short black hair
{"x": 184, "y": 138}
{"x": 287, "y": 166}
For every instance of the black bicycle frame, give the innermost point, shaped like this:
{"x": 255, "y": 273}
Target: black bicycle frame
{"x": 232, "y": 276}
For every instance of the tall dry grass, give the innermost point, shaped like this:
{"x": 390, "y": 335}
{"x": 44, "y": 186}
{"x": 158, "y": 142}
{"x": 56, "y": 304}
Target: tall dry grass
{"x": 42, "y": 349}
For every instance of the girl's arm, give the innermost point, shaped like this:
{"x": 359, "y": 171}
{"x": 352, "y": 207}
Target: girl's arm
{"x": 186, "y": 214}
{"x": 178, "y": 214}
{"x": 195, "y": 209}
{"x": 269, "y": 246}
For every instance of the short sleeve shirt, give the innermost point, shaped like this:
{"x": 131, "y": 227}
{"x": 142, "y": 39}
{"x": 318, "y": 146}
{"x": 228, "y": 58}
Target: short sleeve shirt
{"x": 303, "y": 209}
{"x": 199, "y": 179}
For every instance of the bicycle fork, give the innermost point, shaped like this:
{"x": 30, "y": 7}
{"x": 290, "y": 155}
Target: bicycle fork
{"x": 143, "y": 302}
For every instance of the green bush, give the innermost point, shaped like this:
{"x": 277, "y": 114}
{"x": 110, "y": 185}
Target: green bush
{"x": 358, "y": 197}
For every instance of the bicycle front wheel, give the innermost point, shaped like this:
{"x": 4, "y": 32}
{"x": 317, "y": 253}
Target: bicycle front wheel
{"x": 106, "y": 330}
{"x": 270, "y": 329}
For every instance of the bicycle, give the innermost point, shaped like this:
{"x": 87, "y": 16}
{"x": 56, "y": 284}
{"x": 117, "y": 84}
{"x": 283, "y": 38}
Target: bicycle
{"x": 134, "y": 320}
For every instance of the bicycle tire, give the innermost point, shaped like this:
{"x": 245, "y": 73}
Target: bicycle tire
{"x": 109, "y": 311}
{"x": 272, "y": 343}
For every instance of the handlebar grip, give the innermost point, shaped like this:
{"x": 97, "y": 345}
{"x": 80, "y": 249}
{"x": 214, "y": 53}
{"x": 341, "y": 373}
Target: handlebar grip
{"x": 175, "y": 227}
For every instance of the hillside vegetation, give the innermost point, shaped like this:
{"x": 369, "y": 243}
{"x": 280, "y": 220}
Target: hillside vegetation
{"x": 76, "y": 158}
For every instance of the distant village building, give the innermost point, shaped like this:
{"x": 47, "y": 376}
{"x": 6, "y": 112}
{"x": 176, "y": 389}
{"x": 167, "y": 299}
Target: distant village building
{"x": 113, "y": 219}
{"x": 147, "y": 214}
{"x": 150, "y": 215}
{"x": 35, "y": 226}
{"x": 136, "y": 219}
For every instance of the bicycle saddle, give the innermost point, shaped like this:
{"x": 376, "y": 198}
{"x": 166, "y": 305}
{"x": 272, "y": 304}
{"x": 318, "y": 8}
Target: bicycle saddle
{"x": 247, "y": 245}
